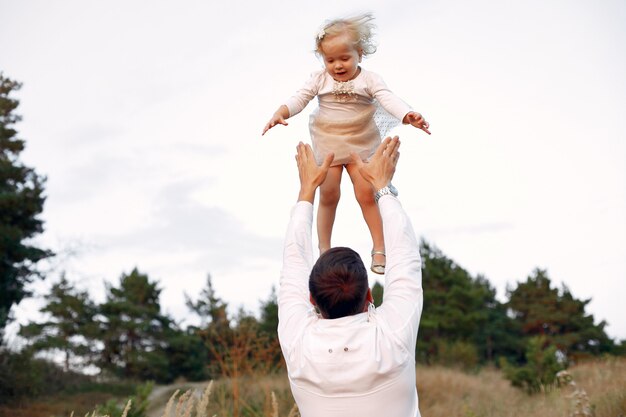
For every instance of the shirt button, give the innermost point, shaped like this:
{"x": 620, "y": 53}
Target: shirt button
{"x": 345, "y": 349}
{"x": 330, "y": 351}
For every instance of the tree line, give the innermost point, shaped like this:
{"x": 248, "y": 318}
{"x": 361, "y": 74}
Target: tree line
{"x": 128, "y": 335}
{"x": 463, "y": 324}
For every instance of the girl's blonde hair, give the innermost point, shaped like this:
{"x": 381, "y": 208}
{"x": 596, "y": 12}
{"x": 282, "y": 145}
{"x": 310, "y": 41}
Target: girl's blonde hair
{"x": 359, "y": 28}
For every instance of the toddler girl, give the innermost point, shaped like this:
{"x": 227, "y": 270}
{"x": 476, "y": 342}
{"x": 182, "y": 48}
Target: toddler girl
{"x": 349, "y": 97}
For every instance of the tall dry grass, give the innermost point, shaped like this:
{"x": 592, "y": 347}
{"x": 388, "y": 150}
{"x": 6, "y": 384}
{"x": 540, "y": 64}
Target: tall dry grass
{"x": 447, "y": 392}
{"x": 442, "y": 391}
{"x": 255, "y": 396}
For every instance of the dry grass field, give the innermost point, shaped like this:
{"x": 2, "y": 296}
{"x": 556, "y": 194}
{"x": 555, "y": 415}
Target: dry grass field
{"x": 443, "y": 392}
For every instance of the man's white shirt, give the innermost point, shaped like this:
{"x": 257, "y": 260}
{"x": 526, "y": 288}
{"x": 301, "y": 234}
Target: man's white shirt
{"x": 361, "y": 365}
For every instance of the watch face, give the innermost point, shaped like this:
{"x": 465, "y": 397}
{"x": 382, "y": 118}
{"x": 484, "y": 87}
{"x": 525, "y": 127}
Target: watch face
{"x": 393, "y": 189}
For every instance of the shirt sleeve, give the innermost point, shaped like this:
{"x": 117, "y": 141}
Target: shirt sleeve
{"x": 293, "y": 292}
{"x": 303, "y": 96}
{"x": 403, "y": 294}
{"x": 388, "y": 100}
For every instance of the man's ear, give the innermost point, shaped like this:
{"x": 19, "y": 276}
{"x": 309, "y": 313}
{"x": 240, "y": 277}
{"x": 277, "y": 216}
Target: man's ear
{"x": 311, "y": 299}
{"x": 368, "y": 299}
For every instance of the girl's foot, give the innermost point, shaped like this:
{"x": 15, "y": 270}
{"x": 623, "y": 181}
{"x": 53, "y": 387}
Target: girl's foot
{"x": 378, "y": 262}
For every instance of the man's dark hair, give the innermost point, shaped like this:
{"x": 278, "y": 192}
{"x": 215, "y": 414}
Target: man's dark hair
{"x": 338, "y": 283}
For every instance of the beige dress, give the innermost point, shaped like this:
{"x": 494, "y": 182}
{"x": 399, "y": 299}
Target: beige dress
{"x": 351, "y": 116}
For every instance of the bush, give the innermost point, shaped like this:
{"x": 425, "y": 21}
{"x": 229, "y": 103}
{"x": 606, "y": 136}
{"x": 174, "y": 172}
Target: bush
{"x": 22, "y": 375}
{"x": 139, "y": 404}
{"x": 457, "y": 354}
{"x": 539, "y": 372}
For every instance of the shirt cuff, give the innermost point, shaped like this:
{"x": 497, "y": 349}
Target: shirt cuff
{"x": 302, "y": 208}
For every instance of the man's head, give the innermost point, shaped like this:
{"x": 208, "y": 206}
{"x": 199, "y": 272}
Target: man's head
{"x": 338, "y": 283}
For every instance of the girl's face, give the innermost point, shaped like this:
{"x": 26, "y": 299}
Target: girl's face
{"x": 341, "y": 58}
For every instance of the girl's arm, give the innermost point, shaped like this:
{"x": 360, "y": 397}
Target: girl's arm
{"x": 393, "y": 104}
{"x": 297, "y": 102}
{"x": 279, "y": 117}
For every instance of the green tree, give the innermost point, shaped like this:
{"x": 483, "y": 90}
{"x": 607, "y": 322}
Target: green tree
{"x": 133, "y": 330}
{"x": 377, "y": 293}
{"x": 542, "y": 310}
{"x": 268, "y": 322}
{"x": 21, "y": 202}
{"x": 215, "y": 329}
{"x": 499, "y": 335}
{"x": 268, "y": 327}
{"x": 70, "y": 326}
{"x": 459, "y": 308}
{"x": 210, "y": 308}
{"x": 187, "y": 354}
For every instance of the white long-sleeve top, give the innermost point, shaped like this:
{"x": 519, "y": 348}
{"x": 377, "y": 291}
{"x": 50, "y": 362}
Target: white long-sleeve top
{"x": 349, "y": 117}
{"x": 361, "y": 365}
{"x": 341, "y": 100}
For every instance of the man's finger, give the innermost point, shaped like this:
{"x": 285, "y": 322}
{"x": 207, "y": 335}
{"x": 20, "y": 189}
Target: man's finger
{"x": 393, "y": 145}
{"x": 309, "y": 151}
{"x": 300, "y": 149}
{"x": 327, "y": 161}
{"x": 356, "y": 159}
{"x": 383, "y": 145}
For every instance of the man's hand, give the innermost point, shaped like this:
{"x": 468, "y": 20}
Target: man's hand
{"x": 381, "y": 167}
{"x": 311, "y": 175}
{"x": 417, "y": 120}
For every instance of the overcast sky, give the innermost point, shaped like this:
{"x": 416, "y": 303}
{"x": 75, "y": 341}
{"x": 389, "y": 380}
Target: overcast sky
{"x": 146, "y": 118}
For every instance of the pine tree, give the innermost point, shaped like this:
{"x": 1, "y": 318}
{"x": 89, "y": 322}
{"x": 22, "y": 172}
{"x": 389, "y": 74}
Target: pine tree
{"x": 210, "y": 308}
{"x": 269, "y": 314}
{"x": 460, "y": 312}
{"x": 70, "y": 327}
{"x": 21, "y": 202}
{"x": 134, "y": 332}
{"x": 542, "y": 310}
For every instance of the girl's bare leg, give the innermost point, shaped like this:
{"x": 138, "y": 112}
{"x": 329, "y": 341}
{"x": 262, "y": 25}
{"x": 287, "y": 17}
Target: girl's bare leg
{"x": 330, "y": 191}
{"x": 365, "y": 197}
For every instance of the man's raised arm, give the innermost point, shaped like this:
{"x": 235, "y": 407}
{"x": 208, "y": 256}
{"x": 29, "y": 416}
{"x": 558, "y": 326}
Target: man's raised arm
{"x": 403, "y": 295}
{"x": 293, "y": 293}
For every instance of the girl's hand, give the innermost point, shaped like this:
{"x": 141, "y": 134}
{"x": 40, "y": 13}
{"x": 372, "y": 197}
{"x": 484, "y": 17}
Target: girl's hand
{"x": 276, "y": 119}
{"x": 417, "y": 120}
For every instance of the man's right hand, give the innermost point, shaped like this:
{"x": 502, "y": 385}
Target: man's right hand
{"x": 381, "y": 167}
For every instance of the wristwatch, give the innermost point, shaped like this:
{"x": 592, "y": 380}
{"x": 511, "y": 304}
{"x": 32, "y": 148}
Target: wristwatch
{"x": 388, "y": 189}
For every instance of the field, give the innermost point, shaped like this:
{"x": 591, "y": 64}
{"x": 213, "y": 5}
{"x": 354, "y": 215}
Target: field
{"x": 446, "y": 392}
{"x": 442, "y": 391}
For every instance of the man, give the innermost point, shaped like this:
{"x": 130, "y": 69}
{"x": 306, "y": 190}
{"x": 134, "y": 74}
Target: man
{"x": 344, "y": 357}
